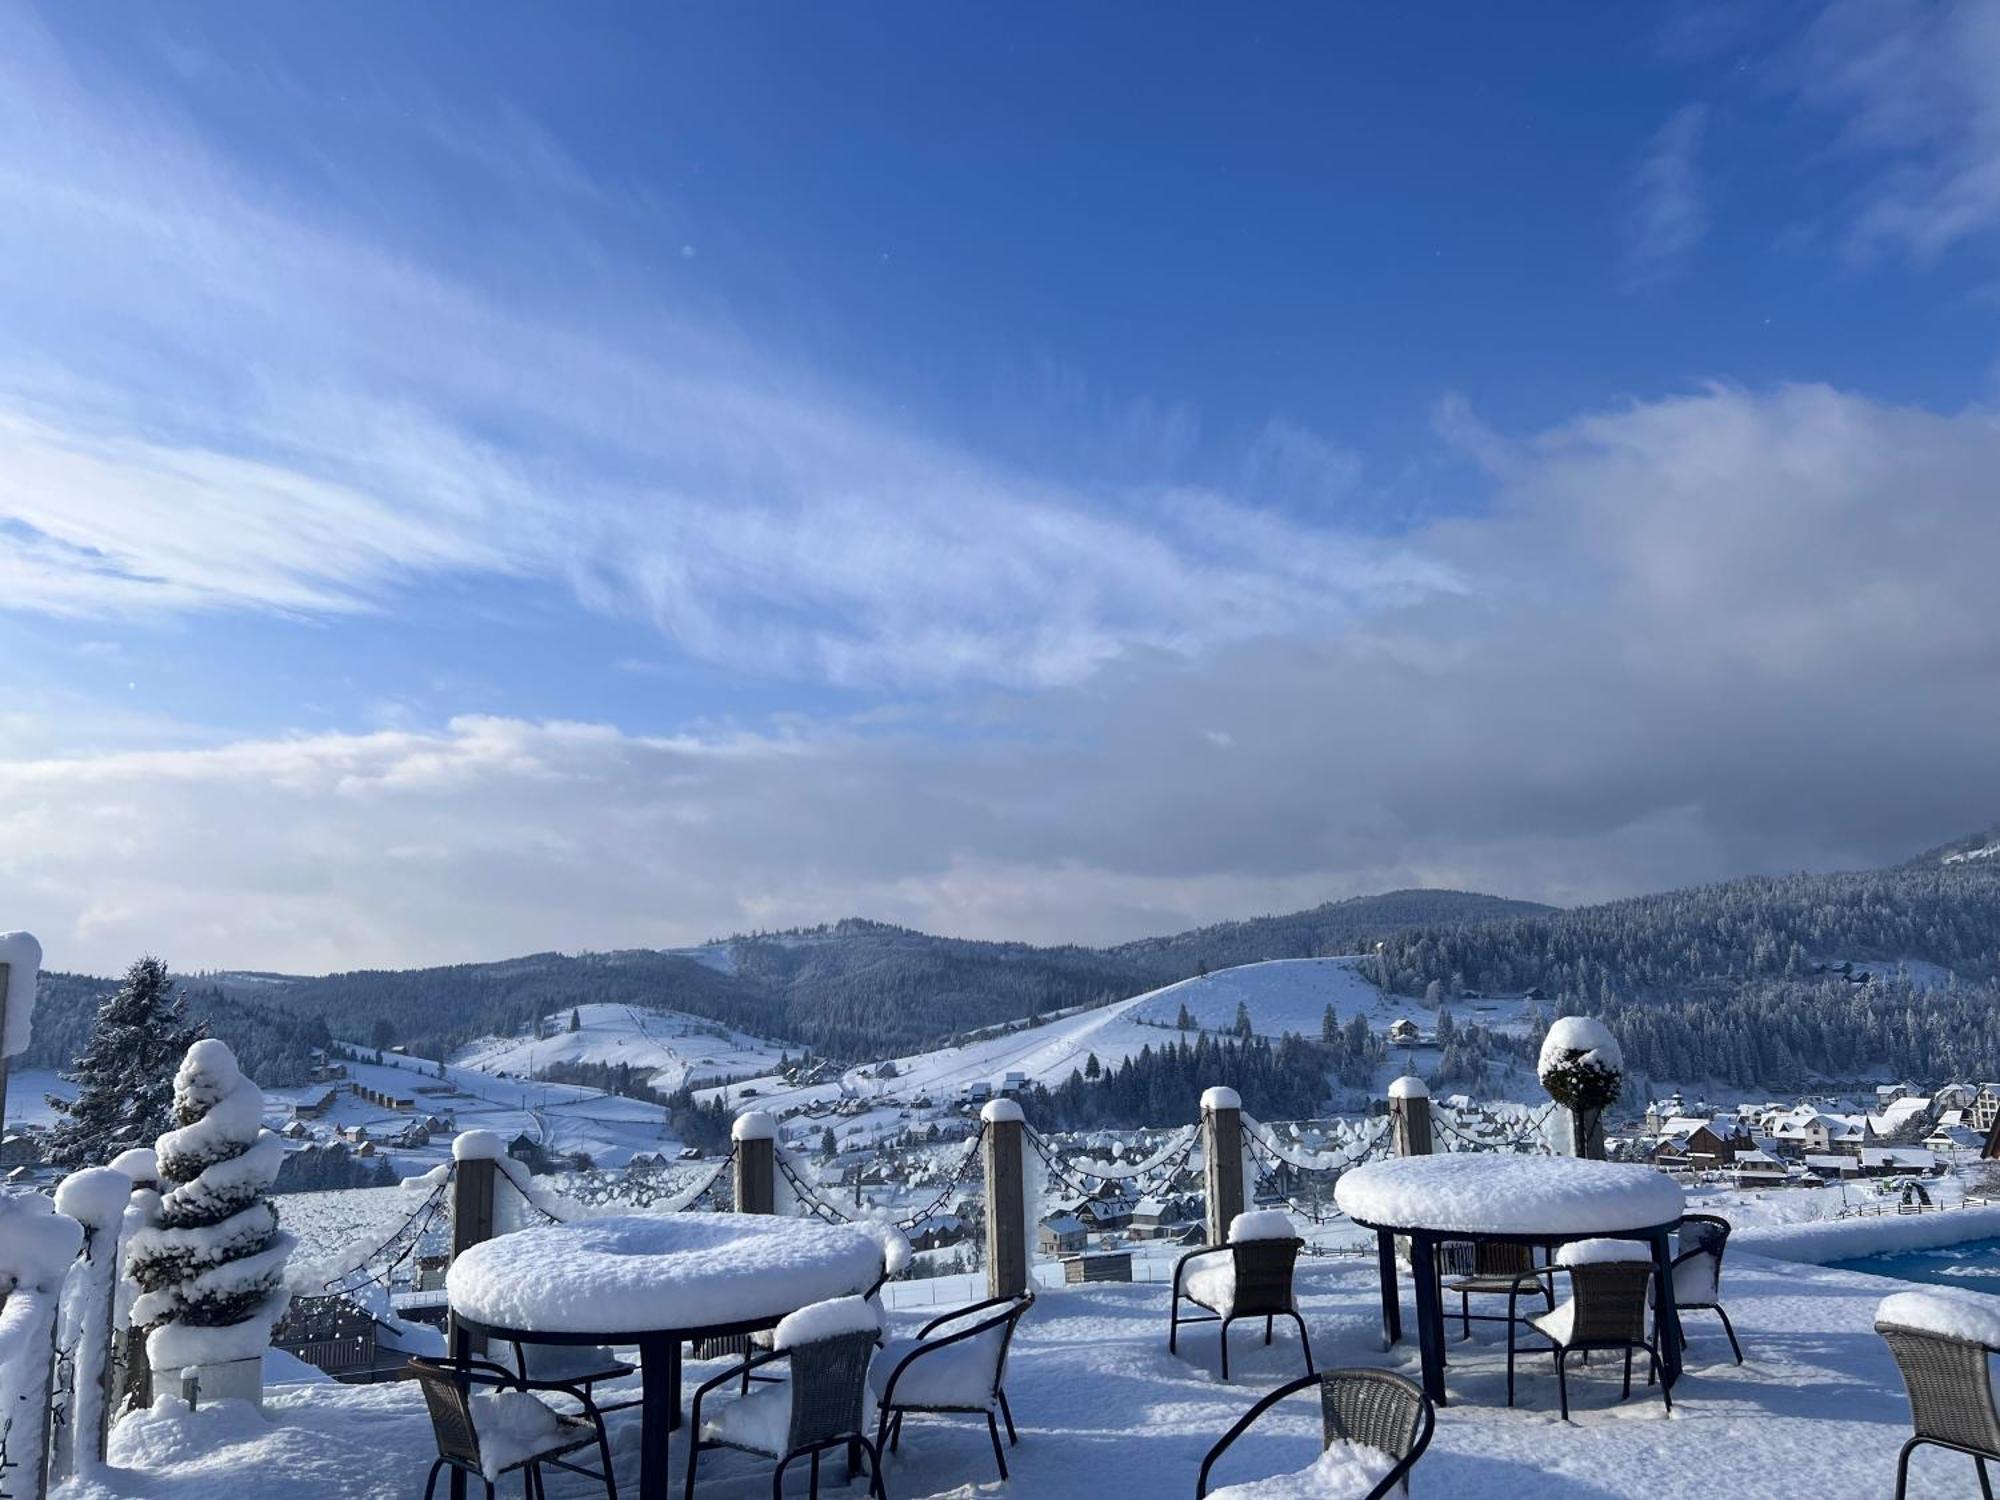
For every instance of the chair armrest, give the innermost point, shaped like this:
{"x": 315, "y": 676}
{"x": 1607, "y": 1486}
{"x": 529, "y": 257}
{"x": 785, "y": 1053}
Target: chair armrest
{"x": 1291, "y": 1388}
{"x": 1195, "y": 1254}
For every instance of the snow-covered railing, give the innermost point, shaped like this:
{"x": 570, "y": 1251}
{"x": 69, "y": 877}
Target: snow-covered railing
{"x": 372, "y": 1261}
{"x": 1279, "y": 1162}
{"x": 37, "y": 1248}
{"x": 1524, "y": 1138}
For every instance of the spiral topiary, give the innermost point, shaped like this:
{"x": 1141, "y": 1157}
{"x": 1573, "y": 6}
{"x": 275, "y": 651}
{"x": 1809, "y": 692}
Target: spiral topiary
{"x": 211, "y": 1269}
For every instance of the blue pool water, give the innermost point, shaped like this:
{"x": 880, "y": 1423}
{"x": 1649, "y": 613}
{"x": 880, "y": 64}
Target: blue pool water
{"x": 1974, "y": 1265}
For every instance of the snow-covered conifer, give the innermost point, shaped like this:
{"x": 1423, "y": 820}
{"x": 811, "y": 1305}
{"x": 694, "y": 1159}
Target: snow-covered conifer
{"x": 212, "y": 1269}
{"x": 125, "y": 1075}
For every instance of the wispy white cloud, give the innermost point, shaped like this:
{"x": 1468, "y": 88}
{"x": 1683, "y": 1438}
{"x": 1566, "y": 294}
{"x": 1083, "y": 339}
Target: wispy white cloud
{"x": 1720, "y": 631}
{"x": 1917, "y": 88}
{"x": 225, "y": 399}
{"x": 1668, "y": 210}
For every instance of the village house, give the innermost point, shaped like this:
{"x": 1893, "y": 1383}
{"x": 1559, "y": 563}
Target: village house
{"x": 1061, "y": 1234}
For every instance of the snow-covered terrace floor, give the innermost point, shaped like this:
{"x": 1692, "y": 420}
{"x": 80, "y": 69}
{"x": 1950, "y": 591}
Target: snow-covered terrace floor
{"x": 1107, "y": 1414}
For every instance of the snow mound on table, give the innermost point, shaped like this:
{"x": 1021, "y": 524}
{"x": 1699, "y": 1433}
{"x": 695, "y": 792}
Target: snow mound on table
{"x": 23, "y": 957}
{"x": 1262, "y": 1224}
{"x": 825, "y": 1320}
{"x": 633, "y": 1274}
{"x": 1951, "y": 1314}
{"x": 1346, "y": 1471}
{"x": 1480, "y": 1193}
{"x": 1580, "y": 1034}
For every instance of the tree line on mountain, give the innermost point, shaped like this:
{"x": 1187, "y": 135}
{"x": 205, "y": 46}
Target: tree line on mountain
{"x": 1159, "y": 1086}
{"x": 1712, "y": 939}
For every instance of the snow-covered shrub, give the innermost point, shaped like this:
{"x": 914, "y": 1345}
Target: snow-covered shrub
{"x": 211, "y": 1271}
{"x": 1584, "y": 1071}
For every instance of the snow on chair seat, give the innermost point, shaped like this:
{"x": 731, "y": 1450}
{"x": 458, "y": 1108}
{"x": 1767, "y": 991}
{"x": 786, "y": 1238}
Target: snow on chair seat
{"x": 486, "y": 1424}
{"x": 1250, "y": 1277}
{"x": 1697, "y": 1272}
{"x": 827, "y": 1347}
{"x": 1374, "y": 1426}
{"x": 956, "y": 1363}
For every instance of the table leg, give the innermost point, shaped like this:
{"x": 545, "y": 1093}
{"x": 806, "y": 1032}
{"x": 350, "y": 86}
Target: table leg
{"x": 461, "y": 1349}
{"x": 1666, "y": 1317}
{"x": 659, "y": 1412}
{"x": 1392, "y": 1302}
{"x": 1430, "y": 1314}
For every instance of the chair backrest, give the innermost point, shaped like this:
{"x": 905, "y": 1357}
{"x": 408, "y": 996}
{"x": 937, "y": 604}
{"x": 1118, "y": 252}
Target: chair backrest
{"x": 1703, "y": 1238}
{"x": 1611, "y": 1298}
{"x": 1264, "y": 1276}
{"x": 1951, "y": 1396}
{"x": 448, "y": 1395}
{"x": 829, "y": 1383}
{"x": 1375, "y": 1408}
{"x": 1501, "y": 1258}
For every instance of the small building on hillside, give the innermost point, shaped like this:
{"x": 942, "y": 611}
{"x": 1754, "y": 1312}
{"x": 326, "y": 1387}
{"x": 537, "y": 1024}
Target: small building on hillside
{"x": 1061, "y": 1234}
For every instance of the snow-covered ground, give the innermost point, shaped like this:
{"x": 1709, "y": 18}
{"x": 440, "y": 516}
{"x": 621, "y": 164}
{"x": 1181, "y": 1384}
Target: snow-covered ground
{"x": 664, "y": 1048}
{"x": 1107, "y": 1414}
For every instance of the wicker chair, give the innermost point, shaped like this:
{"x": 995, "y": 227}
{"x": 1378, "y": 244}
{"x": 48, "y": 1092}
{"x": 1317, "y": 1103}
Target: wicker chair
{"x": 1254, "y": 1282}
{"x": 1606, "y": 1310}
{"x": 1484, "y": 1268}
{"x": 1697, "y": 1272}
{"x": 956, "y": 1371}
{"x": 819, "y": 1407}
{"x": 448, "y": 1387}
{"x": 1951, "y": 1397}
{"x": 1373, "y": 1408}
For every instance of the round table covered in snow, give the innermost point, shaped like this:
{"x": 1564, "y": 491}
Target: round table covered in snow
{"x": 656, "y": 1282}
{"x": 1518, "y": 1200}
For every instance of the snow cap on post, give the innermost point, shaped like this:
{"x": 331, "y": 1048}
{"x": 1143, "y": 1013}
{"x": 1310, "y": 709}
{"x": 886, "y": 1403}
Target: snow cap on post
{"x": 22, "y": 956}
{"x": 1002, "y": 1112}
{"x": 95, "y": 1197}
{"x": 37, "y": 1244}
{"x": 478, "y": 1145}
{"x": 754, "y": 1125}
{"x": 140, "y": 1164}
{"x": 1221, "y": 1097}
{"x": 1409, "y": 1086}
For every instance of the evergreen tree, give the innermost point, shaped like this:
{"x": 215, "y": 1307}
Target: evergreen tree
{"x": 1092, "y": 1068}
{"x": 829, "y": 1148}
{"x": 575, "y": 1019}
{"x": 1185, "y": 1020}
{"x": 1243, "y": 1027}
{"x": 1329, "y": 1025}
{"x": 125, "y": 1074}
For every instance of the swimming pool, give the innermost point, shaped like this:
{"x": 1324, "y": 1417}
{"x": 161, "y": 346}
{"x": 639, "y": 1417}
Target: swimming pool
{"x": 1974, "y": 1265}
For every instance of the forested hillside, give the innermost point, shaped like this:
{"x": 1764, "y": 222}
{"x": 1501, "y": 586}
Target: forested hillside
{"x": 273, "y": 1043}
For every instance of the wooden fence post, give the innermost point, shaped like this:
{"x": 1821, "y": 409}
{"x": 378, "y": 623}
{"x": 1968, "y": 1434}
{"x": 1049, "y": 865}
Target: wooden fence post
{"x": 1006, "y": 1198}
{"x": 1222, "y": 1159}
{"x": 1410, "y": 1116}
{"x": 96, "y": 1198}
{"x": 755, "y": 1171}
{"x": 475, "y": 1179}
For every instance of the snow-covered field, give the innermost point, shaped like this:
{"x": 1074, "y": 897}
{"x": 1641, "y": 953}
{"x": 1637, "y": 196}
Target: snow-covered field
{"x": 665, "y": 1048}
{"x": 1107, "y": 1414}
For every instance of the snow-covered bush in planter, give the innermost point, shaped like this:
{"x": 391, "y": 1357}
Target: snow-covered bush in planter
{"x": 211, "y": 1269}
{"x": 1583, "y": 1070}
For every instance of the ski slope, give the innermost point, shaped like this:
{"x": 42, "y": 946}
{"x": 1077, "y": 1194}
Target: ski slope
{"x": 665, "y": 1047}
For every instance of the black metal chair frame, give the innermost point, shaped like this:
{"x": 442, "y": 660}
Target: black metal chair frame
{"x": 447, "y": 1387}
{"x": 1483, "y": 1282}
{"x": 1328, "y": 1381}
{"x": 1583, "y": 1281}
{"x": 1951, "y": 1398}
{"x": 854, "y": 1441}
{"x": 890, "y": 1411}
{"x": 1255, "y": 1286}
{"x": 1713, "y": 1247}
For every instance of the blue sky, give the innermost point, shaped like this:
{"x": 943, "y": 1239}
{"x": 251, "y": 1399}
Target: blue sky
{"x": 489, "y": 477}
